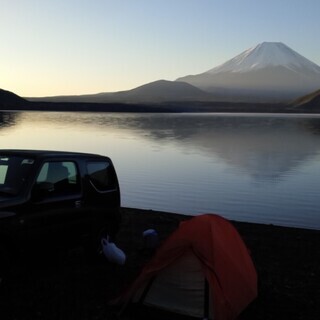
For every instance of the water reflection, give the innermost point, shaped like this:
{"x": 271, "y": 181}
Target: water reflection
{"x": 313, "y": 125}
{"x": 246, "y": 167}
{"x": 8, "y": 119}
{"x": 261, "y": 146}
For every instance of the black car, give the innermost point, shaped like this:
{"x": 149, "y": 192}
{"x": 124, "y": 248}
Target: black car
{"x": 55, "y": 199}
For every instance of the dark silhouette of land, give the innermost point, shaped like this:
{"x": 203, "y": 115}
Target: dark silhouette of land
{"x": 159, "y": 107}
{"x": 308, "y": 104}
{"x": 9, "y": 100}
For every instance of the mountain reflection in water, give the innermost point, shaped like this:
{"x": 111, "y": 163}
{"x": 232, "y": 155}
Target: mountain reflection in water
{"x": 247, "y": 167}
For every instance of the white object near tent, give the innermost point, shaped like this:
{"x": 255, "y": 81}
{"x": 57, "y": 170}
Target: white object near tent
{"x": 112, "y": 252}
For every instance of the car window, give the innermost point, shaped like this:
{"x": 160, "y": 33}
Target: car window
{"x": 101, "y": 175}
{"x": 58, "y": 178}
{"x": 3, "y": 172}
{"x": 14, "y": 172}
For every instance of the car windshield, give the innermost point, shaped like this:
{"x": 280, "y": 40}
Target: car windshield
{"x": 14, "y": 171}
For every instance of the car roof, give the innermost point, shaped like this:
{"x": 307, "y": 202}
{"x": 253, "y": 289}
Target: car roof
{"x": 48, "y": 153}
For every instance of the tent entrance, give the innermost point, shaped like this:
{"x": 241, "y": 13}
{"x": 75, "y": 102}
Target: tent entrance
{"x": 180, "y": 288}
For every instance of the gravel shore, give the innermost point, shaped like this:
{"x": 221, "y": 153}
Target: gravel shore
{"x": 76, "y": 287}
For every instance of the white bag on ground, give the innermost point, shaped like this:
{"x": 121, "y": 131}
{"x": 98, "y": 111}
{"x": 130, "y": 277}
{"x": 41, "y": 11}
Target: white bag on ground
{"x": 112, "y": 252}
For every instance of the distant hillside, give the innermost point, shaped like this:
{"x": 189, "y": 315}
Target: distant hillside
{"x": 163, "y": 91}
{"x": 10, "y": 100}
{"x": 309, "y": 101}
{"x": 154, "y": 92}
{"x": 158, "y": 96}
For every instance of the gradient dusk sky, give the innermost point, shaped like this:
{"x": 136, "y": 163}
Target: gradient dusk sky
{"x": 59, "y": 47}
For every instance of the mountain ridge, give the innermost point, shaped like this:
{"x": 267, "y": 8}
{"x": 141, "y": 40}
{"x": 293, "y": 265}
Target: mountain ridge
{"x": 270, "y": 70}
{"x": 156, "y": 92}
{"x": 10, "y": 99}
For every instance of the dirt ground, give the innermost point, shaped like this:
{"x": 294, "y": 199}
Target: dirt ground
{"x": 74, "y": 286}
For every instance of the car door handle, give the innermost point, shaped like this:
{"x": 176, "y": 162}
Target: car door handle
{"x": 78, "y": 204}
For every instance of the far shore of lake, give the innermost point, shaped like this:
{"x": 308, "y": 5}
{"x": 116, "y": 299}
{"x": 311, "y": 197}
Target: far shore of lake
{"x": 175, "y": 107}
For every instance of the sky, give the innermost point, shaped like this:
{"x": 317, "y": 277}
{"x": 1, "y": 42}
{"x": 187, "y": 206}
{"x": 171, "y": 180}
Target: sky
{"x": 71, "y": 47}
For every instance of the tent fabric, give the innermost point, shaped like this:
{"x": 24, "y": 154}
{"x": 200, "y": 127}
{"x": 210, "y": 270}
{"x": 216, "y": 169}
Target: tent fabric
{"x": 224, "y": 259}
{"x": 180, "y": 292}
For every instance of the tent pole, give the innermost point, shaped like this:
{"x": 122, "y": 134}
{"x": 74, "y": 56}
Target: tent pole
{"x": 206, "y": 300}
{"x": 146, "y": 290}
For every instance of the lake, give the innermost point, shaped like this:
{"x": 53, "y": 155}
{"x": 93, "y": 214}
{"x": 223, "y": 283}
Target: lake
{"x": 246, "y": 167}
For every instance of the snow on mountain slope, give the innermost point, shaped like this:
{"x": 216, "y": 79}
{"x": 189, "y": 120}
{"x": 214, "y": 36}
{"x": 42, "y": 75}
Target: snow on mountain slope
{"x": 265, "y": 55}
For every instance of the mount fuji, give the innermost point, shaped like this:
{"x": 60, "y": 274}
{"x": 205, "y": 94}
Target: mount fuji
{"x": 270, "y": 72}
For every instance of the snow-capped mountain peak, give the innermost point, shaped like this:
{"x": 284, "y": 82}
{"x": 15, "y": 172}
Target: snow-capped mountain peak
{"x": 270, "y": 71}
{"x": 264, "y": 55}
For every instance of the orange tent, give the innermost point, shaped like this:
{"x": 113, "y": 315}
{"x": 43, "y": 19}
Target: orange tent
{"x": 203, "y": 269}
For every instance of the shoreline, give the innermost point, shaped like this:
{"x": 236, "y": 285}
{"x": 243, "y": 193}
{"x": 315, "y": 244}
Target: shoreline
{"x": 76, "y": 287}
{"x": 166, "y": 107}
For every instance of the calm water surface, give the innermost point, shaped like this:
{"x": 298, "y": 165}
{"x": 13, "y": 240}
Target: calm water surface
{"x": 256, "y": 168}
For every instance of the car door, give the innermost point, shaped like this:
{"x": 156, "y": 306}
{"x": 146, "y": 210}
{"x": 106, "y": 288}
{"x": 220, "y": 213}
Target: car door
{"x": 56, "y": 215}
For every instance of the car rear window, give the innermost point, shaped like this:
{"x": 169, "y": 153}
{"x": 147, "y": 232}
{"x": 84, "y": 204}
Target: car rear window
{"x": 101, "y": 175}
